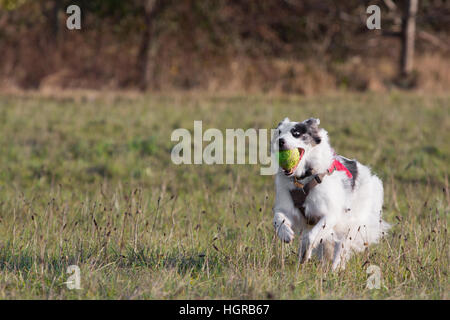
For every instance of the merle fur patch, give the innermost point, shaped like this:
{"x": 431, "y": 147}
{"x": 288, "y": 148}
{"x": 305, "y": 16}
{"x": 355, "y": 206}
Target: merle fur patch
{"x": 351, "y": 165}
{"x": 310, "y": 131}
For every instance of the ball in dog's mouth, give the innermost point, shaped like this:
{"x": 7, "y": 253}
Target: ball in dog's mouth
{"x": 289, "y": 159}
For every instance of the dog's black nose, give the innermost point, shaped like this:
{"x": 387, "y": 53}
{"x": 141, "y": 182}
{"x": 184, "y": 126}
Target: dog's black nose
{"x": 281, "y": 143}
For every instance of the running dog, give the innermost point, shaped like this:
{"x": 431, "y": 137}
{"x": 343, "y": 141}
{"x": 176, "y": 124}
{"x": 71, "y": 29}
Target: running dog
{"x": 332, "y": 203}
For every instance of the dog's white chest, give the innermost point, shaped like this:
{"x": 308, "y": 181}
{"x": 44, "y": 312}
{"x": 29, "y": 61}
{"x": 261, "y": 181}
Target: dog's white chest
{"x": 303, "y": 202}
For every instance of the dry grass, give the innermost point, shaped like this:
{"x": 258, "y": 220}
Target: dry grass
{"x": 90, "y": 182}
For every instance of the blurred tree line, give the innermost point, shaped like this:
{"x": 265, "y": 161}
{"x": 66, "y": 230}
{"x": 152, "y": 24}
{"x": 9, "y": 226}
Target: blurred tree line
{"x": 149, "y": 44}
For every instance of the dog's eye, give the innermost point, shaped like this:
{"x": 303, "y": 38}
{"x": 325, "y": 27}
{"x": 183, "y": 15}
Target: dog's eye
{"x": 296, "y": 134}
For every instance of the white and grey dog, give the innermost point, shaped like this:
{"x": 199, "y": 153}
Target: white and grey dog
{"x": 334, "y": 204}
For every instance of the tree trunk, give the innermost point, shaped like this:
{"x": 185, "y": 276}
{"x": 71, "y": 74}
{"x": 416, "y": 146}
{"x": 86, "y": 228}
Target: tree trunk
{"x": 408, "y": 37}
{"x": 151, "y": 10}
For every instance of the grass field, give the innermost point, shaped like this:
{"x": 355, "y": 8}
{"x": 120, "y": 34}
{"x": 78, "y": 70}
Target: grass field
{"x": 89, "y": 182}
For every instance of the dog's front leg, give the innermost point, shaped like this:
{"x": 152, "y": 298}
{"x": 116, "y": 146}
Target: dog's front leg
{"x": 283, "y": 227}
{"x": 324, "y": 226}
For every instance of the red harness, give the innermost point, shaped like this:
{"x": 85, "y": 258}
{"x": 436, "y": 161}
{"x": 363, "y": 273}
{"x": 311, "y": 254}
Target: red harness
{"x": 336, "y": 165}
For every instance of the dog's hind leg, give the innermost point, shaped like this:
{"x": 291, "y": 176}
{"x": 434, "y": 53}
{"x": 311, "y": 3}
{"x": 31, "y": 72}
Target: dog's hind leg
{"x": 338, "y": 262}
{"x": 324, "y": 251}
{"x": 301, "y": 248}
{"x": 319, "y": 232}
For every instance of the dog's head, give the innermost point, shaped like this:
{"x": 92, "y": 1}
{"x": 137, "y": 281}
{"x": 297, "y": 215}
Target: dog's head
{"x": 304, "y": 136}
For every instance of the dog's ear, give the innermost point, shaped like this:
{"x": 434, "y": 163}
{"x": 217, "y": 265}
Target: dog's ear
{"x": 286, "y": 120}
{"x": 313, "y": 122}
{"x": 313, "y": 129}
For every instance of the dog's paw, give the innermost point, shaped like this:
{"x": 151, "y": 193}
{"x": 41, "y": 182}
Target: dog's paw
{"x": 283, "y": 227}
{"x": 284, "y": 232}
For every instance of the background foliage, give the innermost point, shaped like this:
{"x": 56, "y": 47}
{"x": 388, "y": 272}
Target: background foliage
{"x": 225, "y": 45}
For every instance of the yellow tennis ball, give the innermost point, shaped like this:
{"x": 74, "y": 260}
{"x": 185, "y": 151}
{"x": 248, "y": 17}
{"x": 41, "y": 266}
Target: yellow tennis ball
{"x": 288, "y": 159}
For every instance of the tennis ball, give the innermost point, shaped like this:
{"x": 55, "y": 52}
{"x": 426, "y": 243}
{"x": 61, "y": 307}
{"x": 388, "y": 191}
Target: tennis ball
{"x": 288, "y": 159}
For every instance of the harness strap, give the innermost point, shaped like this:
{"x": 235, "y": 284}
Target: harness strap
{"x": 299, "y": 194}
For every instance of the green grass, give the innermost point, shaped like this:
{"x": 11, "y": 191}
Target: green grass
{"x": 90, "y": 183}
